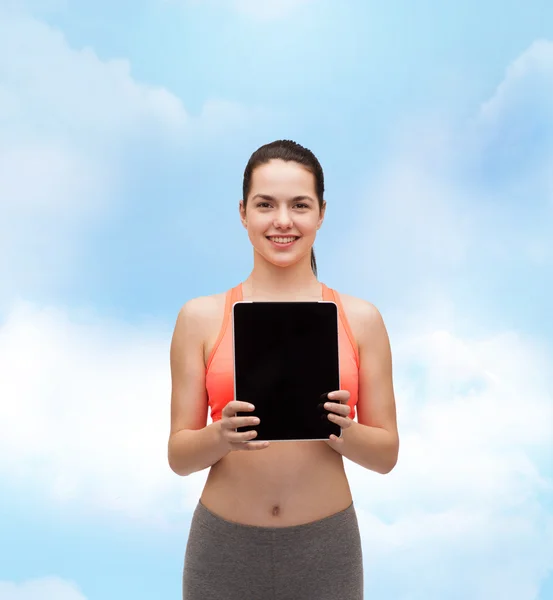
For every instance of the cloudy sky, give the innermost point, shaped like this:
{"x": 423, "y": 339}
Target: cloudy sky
{"x": 124, "y": 131}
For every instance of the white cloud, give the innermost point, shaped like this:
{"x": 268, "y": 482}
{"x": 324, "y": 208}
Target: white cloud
{"x": 528, "y": 84}
{"x": 474, "y": 413}
{"x": 513, "y": 131}
{"x": 452, "y": 198}
{"x": 456, "y": 554}
{"x": 49, "y": 588}
{"x": 466, "y": 503}
{"x": 63, "y": 90}
{"x": 68, "y": 119}
{"x": 64, "y": 117}
{"x": 85, "y": 409}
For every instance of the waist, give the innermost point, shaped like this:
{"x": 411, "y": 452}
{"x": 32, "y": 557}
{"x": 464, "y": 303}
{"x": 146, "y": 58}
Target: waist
{"x": 286, "y": 484}
{"x": 233, "y": 530}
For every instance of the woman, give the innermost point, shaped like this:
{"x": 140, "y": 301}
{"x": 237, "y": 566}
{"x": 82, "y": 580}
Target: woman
{"x": 277, "y": 521}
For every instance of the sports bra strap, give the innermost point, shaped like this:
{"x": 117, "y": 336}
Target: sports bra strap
{"x": 226, "y": 317}
{"x": 331, "y": 295}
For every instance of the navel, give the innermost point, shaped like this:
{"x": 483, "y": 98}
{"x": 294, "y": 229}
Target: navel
{"x": 276, "y": 510}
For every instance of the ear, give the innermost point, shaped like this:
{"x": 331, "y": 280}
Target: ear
{"x": 322, "y": 214}
{"x": 242, "y": 211}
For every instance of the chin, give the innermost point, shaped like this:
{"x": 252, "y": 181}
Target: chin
{"x": 275, "y": 259}
{"x": 283, "y": 262}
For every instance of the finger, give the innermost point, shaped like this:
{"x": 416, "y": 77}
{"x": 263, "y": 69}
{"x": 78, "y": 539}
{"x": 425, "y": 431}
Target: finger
{"x": 234, "y": 422}
{"x": 339, "y": 396}
{"x": 341, "y": 421}
{"x": 252, "y": 446}
{"x": 339, "y": 409}
{"x": 234, "y": 437}
{"x": 249, "y": 445}
{"x": 235, "y": 406}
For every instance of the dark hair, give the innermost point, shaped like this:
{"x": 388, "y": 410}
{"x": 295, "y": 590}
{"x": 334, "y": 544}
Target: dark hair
{"x": 289, "y": 151}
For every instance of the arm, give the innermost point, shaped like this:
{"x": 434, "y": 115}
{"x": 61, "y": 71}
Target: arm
{"x": 192, "y": 446}
{"x": 373, "y": 441}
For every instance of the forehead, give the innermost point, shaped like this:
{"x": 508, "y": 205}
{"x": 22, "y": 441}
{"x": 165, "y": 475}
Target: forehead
{"x": 282, "y": 177}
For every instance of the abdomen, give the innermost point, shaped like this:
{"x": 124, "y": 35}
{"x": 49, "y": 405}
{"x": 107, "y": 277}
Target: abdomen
{"x": 288, "y": 483}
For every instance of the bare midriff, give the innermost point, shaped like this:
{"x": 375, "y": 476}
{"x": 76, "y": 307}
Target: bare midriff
{"x": 288, "y": 483}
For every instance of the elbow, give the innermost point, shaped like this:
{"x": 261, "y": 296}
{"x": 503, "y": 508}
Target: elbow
{"x": 175, "y": 467}
{"x": 174, "y": 463}
{"x": 178, "y": 471}
{"x": 388, "y": 465}
{"x": 386, "y": 468}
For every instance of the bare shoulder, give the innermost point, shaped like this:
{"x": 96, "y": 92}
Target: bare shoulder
{"x": 202, "y": 309}
{"x": 362, "y": 315}
{"x": 202, "y": 317}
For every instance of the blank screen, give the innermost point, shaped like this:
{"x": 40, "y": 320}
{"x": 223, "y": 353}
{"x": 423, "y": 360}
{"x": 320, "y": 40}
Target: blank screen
{"x": 285, "y": 361}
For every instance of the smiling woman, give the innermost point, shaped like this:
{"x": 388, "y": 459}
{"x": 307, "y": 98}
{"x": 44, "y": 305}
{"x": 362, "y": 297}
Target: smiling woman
{"x": 277, "y": 519}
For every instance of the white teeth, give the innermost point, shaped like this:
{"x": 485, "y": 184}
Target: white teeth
{"x": 281, "y": 240}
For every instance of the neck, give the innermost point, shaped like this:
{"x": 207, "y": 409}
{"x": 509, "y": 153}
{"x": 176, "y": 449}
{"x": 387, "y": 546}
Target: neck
{"x": 267, "y": 279}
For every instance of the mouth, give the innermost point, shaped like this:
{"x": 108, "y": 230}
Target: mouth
{"x": 282, "y": 241}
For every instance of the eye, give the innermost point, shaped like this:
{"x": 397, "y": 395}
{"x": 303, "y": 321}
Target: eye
{"x": 263, "y": 204}
{"x": 301, "y": 205}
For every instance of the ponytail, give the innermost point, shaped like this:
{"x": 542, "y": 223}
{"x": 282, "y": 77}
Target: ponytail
{"x": 313, "y": 262}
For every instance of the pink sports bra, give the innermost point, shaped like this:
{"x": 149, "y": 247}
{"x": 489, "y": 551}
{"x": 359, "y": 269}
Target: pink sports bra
{"x": 220, "y": 372}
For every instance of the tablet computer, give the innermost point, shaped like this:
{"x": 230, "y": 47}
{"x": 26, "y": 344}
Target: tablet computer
{"x": 286, "y": 359}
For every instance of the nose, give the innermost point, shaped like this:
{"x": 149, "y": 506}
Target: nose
{"x": 283, "y": 219}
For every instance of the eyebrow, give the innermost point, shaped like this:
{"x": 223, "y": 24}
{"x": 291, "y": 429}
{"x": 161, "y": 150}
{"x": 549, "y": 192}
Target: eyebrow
{"x": 294, "y": 199}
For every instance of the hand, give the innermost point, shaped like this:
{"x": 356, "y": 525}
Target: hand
{"x": 229, "y": 422}
{"x": 339, "y": 411}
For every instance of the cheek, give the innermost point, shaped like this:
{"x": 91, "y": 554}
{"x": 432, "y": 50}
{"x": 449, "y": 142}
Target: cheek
{"x": 309, "y": 224}
{"x": 258, "y": 224}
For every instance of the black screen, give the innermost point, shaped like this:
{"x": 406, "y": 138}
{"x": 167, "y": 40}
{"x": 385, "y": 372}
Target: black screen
{"x": 285, "y": 361}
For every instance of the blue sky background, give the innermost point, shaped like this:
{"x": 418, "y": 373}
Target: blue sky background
{"x": 124, "y": 131}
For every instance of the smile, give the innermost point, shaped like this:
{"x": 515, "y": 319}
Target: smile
{"x": 283, "y": 241}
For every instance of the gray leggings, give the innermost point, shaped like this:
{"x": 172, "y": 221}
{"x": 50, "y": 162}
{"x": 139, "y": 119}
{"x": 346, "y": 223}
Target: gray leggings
{"x": 321, "y": 560}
